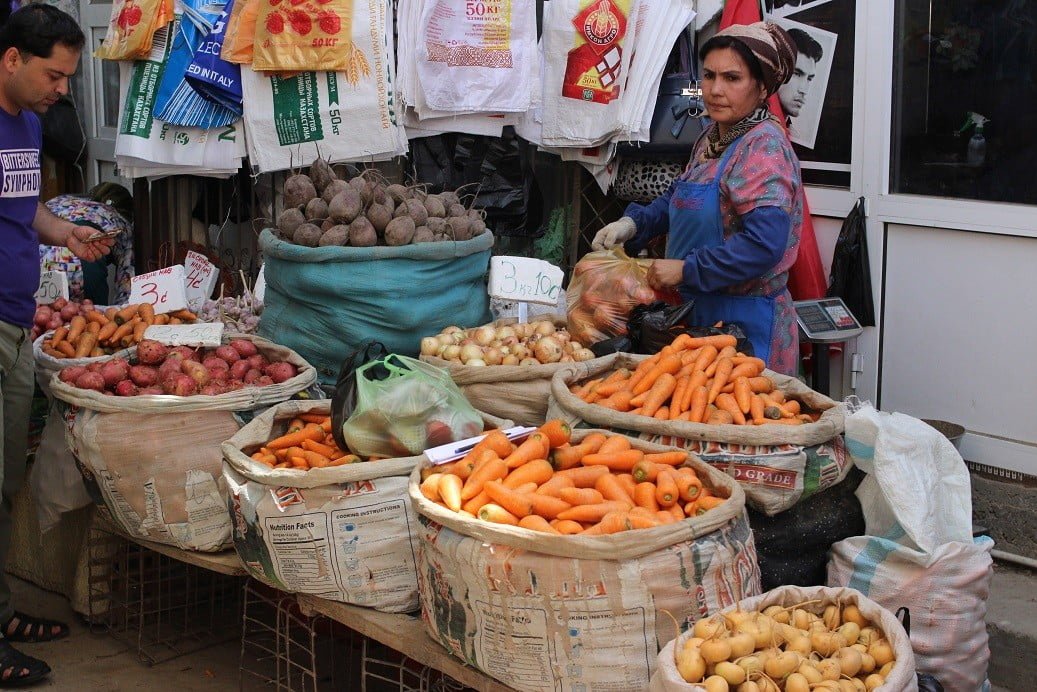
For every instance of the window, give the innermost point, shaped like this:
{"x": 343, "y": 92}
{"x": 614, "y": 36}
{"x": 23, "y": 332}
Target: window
{"x": 959, "y": 64}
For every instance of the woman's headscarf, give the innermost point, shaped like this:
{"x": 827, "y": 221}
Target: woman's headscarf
{"x": 772, "y": 46}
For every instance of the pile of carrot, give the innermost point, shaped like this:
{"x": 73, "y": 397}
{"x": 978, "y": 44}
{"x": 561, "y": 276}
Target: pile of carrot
{"x": 306, "y": 444}
{"x": 98, "y": 333}
{"x": 697, "y": 380}
{"x": 600, "y": 485}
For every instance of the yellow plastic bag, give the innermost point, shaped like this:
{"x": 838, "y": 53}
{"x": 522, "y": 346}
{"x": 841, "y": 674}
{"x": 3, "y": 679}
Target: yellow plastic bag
{"x": 131, "y": 27}
{"x": 241, "y": 32}
{"x": 308, "y": 36}
{"x": 604, "y": 289}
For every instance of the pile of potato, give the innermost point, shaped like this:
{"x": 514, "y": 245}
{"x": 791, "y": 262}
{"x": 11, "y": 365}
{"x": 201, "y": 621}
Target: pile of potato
{"x": 797, "y": 648}
{"x": 321, "y": 210}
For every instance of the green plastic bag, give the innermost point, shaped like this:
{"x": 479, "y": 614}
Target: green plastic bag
{"x": 405, "y": 406}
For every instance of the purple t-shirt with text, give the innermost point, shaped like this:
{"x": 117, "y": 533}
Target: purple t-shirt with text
{"x": 20, "y": 141}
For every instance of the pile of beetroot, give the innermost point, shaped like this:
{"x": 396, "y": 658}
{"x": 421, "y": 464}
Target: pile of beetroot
{"x": 181, "y": 371}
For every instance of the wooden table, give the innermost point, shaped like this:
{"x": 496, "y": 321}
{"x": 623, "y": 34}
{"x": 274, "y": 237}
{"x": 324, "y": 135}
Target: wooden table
{"x": 404, "y": 633}
{"x": 226, "y": 562}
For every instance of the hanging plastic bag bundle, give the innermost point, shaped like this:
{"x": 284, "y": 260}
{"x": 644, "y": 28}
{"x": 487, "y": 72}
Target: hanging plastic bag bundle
{"x": 308, "y": 36}
{"x": 404, "y": 407}
{"x": 132, "y": 27}
{"x": 605, "y": 288}
{"x": 214, "y": 78}
{"x": 241, "y": 32}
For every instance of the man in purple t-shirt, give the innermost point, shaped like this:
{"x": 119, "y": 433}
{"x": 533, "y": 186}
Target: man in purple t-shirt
{"x": 39, "y": 51}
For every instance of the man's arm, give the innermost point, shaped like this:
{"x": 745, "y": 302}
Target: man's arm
{"x": 53, "y": 230}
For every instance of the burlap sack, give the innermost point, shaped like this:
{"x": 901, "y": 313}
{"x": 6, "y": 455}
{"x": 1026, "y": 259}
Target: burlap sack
{"x": 776, "y": 465}
{"x": 543, "y": 612}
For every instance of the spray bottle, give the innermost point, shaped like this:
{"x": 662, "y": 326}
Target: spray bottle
{"x": 976, "y": 152}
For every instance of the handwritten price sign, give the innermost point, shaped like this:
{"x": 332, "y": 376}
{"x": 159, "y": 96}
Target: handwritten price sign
{"x": 525, "y": 280}
{"x": 53, "y": 285}
{"x": 200, "y": 279}
{"x": 259, "y": 291}
{"x": 186, "y": 334}
{"x": 164, "y": 289}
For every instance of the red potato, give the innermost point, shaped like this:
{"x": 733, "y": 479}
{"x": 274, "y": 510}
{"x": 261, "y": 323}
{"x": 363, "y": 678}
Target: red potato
{"x": 228, "y": 354}
{"x": 126, "y": 388}
{"x": 91, "y": 380}
{"x": 264, "y": 381}
{"x": 239, "y": 369}
{"x": 251, "y": 376}
{"x": 196, "y": 371}
{"x": 144, "y": 375}
{"x": 215, "y": 363}
{"x": 150, "y": 391}
{"x": 180, "y": 385}
{"x": 244, "y": 347}
{"x": 70, "y": 375}
{"x": 151, "y": 352}
{"x": 280, "y": 372}
{"x": 258, "y": 361}
{"x": 115, "y": 371}
{"x": 189, "y": 353}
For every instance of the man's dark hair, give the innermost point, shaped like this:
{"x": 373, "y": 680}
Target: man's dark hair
{"x": 806, "y": 44}
{"x": 34, "y": 29}
{"x": 718, "y": 42}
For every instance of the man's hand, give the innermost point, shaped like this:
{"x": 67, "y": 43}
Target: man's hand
{"x": 87, "y": 251}
{"x": 663, "y": 274}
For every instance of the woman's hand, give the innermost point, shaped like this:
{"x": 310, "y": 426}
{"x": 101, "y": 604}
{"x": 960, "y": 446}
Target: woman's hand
{"x": 87, "y": 251}
{"x": 663, "y": 274}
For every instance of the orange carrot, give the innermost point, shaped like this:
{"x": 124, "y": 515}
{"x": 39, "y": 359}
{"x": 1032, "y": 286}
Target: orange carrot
{"x": 642, "y": 370}
{"x": 493, "y": 469}
{"x": 761, "y": 385}
{"x": 518, "y": 505}
{"x": 547, "y": 506}
{"x": 616, "y": 443}
{"x": 525, "y": 488}
{"x": 644, "y": 496}
{"x": 678, "y": 396}
{"x": 699, "y": 401}
{"x": 126, "y": 314}
{"x": 620, "y": 401}
{"x": 617, "y": 461}
{"x": 641, "y": 522}
{"x": 584, "y": 476}
{"x": 294, "y": 439}
{"x": 666, "y": 493}
{"x": 689, "y": 486}
{"x": 645, "y": 470}
{"x": 536, "y": 446}
{"x": 124, "y": 329}
{"x": 705, "y": 504}
{"x": 716, "y": 341}
{"x": 791, "y": 406}
{"x": 536, "y": 471}
{"x": 556, "y": 431}
{"x": 607, "y": 389}
{"x": 706, "y": 357}
{"x": 581, "y": 496}
{"x": 727, "y": 352}
{"x": 662, "y": 413}
{"x": 568, "y": 527}
{"x": 497, "y": 515}
{"x": 743, "y": 394}
{"x": 497, "y": 442}
{"x": 450, "y": 491}
{"x": 535, "y": 522}
{"x": 610, "y": 489}
{"x": 719, "y": 417}
{"x": 105, "y": 334}
{"x": 666, "y": 366}
{"x": 138, "y": 331}
{"x": 613, "y": 522}
{"x": 146, "y": 312}
{"x": 627, "y": 482}
{"x": 476, "y": 503}
{"x": 659, "y": 394}
{"x": 319, "y": 448}
{"x": 746, "y": 370}
{"x": 315, "y": 460}
{"x": 556, "y": 483}
{"x": 724, "y": 367}
{"x": 585, "y": 389}
{"x": 316, "y": 418}
{"x": 675, "y": 458}
{"x": 86, "y": 344}
{"x": 593, "y": 513}
{"x": 663, "y": 516}
{"x": 726, "y": 402}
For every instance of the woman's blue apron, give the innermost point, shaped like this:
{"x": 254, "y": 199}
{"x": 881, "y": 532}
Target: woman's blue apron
{"x": 696, "y": 223}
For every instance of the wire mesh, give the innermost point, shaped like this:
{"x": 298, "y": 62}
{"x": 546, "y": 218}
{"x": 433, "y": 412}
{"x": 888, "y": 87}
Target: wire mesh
{"x": 592, "y": 209}
{"x": 151, "y": 602}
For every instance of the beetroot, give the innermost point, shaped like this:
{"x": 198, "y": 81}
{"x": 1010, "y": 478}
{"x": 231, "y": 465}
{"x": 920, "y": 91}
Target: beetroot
{"x": 151, "y": 352}
{"x": 244, "y": 347}
{"x": 144, "y": 375}
{"x": 196, "y": 371}
{"x": 251, "y": 376}
{"x": 125, "y": 388}
{"x": 238, "y": 370}
{"x": 258, "y": 361}
{"x": 90, "y": 380}
{"x": 70, "y": 375}
{"x": 115, "y": 371}
{"x": 180, "y": 385}
{"x": 227, "y": 353}
{"x": 280, "y": 372}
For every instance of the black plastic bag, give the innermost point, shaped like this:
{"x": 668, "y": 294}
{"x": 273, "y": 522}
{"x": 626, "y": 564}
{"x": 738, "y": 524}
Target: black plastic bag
{"x": 851, "y": 271}
{"x": 793, "y": 546}
{"x": 343, "y": 400}
{"x": 655, "y": 325}
{"x": 64, "y": 139}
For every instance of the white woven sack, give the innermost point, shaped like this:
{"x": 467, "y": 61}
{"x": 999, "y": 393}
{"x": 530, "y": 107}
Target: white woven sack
{"x": 901, "y": 679}
{"x": 542, "y": 612}
{"x": 345, "y": 533}
{"x": 777, "y": 465}
{"x": 46, "y": 365}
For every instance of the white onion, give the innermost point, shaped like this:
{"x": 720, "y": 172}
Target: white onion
{"x": 452, "y": 352}
{"x": 496, "y": 343}
{"x": 567, "y": 359}
{"x": 492, "y": 356}
{"x": 471, "y": 352}
{"x": 583, "y": 354}
{"x": 452, "y": 329}
{"x": 505, "y": 332}
{"x": 429, "y": 346}
{"x": 576, "y": 345}
{"x": 544, "y": 328}
{"x": 529, "y": 361}
{"x": 458, "y": 337}
{"x": 484, "y": 335}
{"x": 445, "y": 340}
{"x": 468, "y": 341}
{"x": 476, "y": 362}
{"x": 548, "y": 350}
{"x": 509, "y": 341}
{"x": 520, "y": 351}
{"x": 509, "y": 360}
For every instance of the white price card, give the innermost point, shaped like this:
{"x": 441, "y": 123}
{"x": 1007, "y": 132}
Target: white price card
{"x": 525, "y": 279}
{"x": 259, "y": 290}
{"x": 456, "y": 450}
{"x": 53, "y": 285}
{"x": 201, "y": 334}
{"x": 164, "y": 289}
{"x": 200, "y": 280}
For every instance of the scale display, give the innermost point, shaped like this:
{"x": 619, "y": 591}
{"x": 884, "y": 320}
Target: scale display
{"x": 826, "y": 319}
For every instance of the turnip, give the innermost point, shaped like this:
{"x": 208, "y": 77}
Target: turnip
{"x": 280, "y": 372}
{"x": 398, "y": 193}
{"x": 434, "y": 206}
{"x": 380, "y": 216}
{"x": 362, "y": 233}
{"x": 70, "y": 375}
{"x": 307, "y": 235}
{"x": 288, "y": 221}
{"x": 333, "y": 189}
{"x": 346, "y": 206}
{"x": 456, "y": 210}
{"x": 400, "y": 231}
{"x": 125, "y": 388}
{"x": 115, "y": 371}
{"x": 91, "y": 380}
{"x": 476, "y": 227}
{"x": 180, "y": 385}
{"x": 244, "y": 347}
{"x": 151, "y": 352}
{"x": 227, "y": 353}
{"x": 415, "y": 209}
{"x": 316, "y": 210}
{"x": 449, "y": 197}
{"x": 196, "y": 371}
{"x": 422, "y": 234}
{"x": 334, "y": 236}
{"x": 144, "y": 375}
{"x": 321, "y": 174}
{"x": 298, "y": 191}
{"x": 436, "y": 224}
{"x": 459, "y": 228}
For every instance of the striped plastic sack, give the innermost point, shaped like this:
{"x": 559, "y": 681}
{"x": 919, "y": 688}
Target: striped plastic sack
{"x": 210, "y": 75}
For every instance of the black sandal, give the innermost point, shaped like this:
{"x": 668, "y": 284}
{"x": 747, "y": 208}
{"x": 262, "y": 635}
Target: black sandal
{"x": 18, "y": 669}
{"x": 30, "y": 630}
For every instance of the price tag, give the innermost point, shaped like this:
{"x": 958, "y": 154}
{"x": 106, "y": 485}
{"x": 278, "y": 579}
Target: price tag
{"x": 259, "y": 290}
{"x": 53, "y": 285}
{"x": 201, "y": 334}
{"x": 201, "y": 278}
{"x": 164, "y": 289}
{"x": 524, "y": 279}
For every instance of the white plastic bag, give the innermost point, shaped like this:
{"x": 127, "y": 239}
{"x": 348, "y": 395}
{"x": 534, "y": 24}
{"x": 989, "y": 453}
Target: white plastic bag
{"x": 56, "y": 483}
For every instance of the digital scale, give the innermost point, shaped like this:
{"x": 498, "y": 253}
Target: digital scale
{"x": 822, "y": 322}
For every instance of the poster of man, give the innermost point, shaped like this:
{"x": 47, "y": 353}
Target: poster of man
{"x": 783, "y": 8}
{"x": 803, "y": 97}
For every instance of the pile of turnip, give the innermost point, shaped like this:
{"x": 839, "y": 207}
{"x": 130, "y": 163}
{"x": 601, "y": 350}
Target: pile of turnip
{"x": 798, "y": 648}
{"x": 320, "y": 210}
{"x": 58, "y": 314}
{"x": 530, "y": 343}
{"x": 181, "y": 370}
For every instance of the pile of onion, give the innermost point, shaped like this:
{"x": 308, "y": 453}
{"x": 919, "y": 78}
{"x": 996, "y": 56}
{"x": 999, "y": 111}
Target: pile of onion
{"x": 531, "y": 343}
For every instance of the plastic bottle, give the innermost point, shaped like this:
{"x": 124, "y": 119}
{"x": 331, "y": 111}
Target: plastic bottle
{"x": 976, "y": 151}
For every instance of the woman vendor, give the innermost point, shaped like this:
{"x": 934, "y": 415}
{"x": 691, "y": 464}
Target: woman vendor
{"x": 733, "y": 216}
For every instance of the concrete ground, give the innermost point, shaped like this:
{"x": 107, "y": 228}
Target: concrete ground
{"x": 85, "y": 661}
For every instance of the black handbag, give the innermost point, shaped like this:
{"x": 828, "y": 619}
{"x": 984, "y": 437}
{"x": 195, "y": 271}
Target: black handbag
{"x": 63, "y": 136}
{"x": 850, "y": 278}
{"x": 679, "y": 116}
